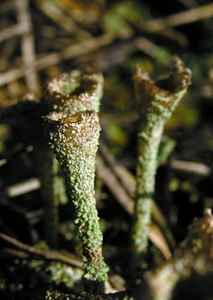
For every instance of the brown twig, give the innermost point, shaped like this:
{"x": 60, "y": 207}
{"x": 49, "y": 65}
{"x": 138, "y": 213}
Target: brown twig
{"x": 46, "y": 254}
{"x": 27, "y": 45}
{"x": 11, "y": 31}
{"x": 125, "y": 200}
{"x": 188, "y": 3}
{"x": 55, "y": 58}
{"x": 9, "y": 252}
{"x": 182, "y": 18}
{"x": 54, "y": 12}
{"x": 24, "y": 187}
{"x": 127, "y": 180}
{"x": 176, "y": 36}
{"x": 125, "y": 177}
{"x": 114, "y": 185}
{"x": 157, "y": 238}
{"x": 7, "y": 51}
{"x": 168, "y": 33}
{"x": 190, "y": 167}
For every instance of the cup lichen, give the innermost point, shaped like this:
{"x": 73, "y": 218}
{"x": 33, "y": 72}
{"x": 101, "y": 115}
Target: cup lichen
{"x": 68, "y": 93}
{"x": 74, "y": 140}
{"x": 74, "y": 92}
{"x": 155, "y": 106}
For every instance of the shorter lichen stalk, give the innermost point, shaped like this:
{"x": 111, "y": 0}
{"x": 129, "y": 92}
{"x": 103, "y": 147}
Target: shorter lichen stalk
{"x": 155, "y": 106}
{"x": 74, "y": 139}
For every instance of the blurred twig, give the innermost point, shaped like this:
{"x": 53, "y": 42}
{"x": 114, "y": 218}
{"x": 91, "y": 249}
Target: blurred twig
{"x": 125, "y": 177}
{"x": 114, "y": 186}
{"x": 124, "y": 199}
{"x": 182, "y": 18}
{"x": 27, "y": 45}
{"x": 55, "y": 58}
{"x": 50, "y": 9}
{"x": 188, "y": 3}
{"x": 127, "y": 181}
{"x": 158, "y": 239}
{"x": 11, "y": 31}
{"x": 176, "y": 36}
{"x": 21, "y": 188}
{"x": 47, "y": 254}
{"x": 190, "y": 167}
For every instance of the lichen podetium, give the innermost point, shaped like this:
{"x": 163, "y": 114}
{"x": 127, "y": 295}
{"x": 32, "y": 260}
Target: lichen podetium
{"x": 74, "y": 92}
{"x": 74, "y": 140}
{"x": 68, "y": 93}
{"x": 155, "y": 106}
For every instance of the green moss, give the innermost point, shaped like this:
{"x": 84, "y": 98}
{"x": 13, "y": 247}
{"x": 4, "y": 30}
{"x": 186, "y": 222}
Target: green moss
{"x": 61, "y": 273}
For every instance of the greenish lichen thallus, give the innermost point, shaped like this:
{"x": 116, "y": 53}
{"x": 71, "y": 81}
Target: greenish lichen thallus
{"x": 155, "y": 106}
{"x": 74, "y": 139}
{"x": 68, "y": 94}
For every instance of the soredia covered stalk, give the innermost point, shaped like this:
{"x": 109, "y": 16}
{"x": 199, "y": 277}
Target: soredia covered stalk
{"x": 68, "y": 93}
{"x": 71, "y": 93}
{"x": 74, "y": 139}
{"x": 155, "y": 106}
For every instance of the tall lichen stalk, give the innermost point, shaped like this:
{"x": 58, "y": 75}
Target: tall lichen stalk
{"x": 74, "y": 139}
{"x": 155, "y": 106}
{"x": 69, "y": 93}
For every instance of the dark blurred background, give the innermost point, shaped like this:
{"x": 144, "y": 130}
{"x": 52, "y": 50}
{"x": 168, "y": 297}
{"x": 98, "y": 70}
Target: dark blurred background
{"x": 40, "y": 39}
